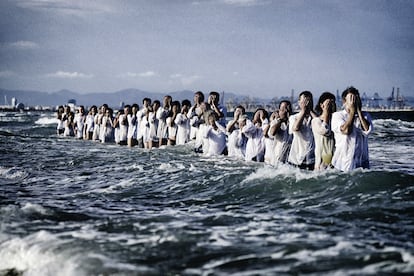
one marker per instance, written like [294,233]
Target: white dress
[302,151]
[236,144]
[90,123]
[96,130]
[132,126]
[183,129]
[123,128]
[79,122]
[324,143]
[351,151]
[162,130]
[216,139]
[153,121]
[171,130]
[194,121]
[255,145]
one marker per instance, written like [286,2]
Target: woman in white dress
[236,144]
[322,132]
[107,127]
[183,123]
[172,126]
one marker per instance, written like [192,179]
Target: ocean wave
[46,121]
[13,173]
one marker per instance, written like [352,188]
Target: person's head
[175,106]
[212,118]
[285,107]
[104,107]
[198,97]
[327,98]
[81,109]
[109,112]
[186,103]
[146,102]
[93,110]
[214,97]
[306,96]
[155,105]
[350,97]
[167,101]
[239,110]
[134,108]
[127,109]
[350,90]
[260,114]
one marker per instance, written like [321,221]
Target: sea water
[73,207]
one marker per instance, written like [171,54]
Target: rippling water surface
[70,207]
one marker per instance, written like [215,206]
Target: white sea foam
[34,208]
[285,171]
[13,173]
[36,254]
[47,121]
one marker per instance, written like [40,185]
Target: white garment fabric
[216,139]
[153,121]
[236,144]
[302,151]
[96,129]
[145,127]
[123,128]
[351,151]
[107,129]
[171,129]
[282,143]
[183,129]
[141,128]
[255,145]
[195,121]
[132,126]
[90,123]
[162,115]
[79,122]
[324,143]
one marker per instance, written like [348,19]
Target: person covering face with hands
[351,127]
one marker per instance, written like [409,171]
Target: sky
[262,48]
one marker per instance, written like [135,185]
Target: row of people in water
[317,137]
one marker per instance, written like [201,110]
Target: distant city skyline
[261,48]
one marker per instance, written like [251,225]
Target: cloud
[147,74]
[21,45]
[67,7]
[69,75]
[185,80]
[245,3]
[7,74]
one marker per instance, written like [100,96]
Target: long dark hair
[322,98]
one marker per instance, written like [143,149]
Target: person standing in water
[302,151]
[351,127]
[322,132]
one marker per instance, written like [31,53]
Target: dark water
[70,207]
